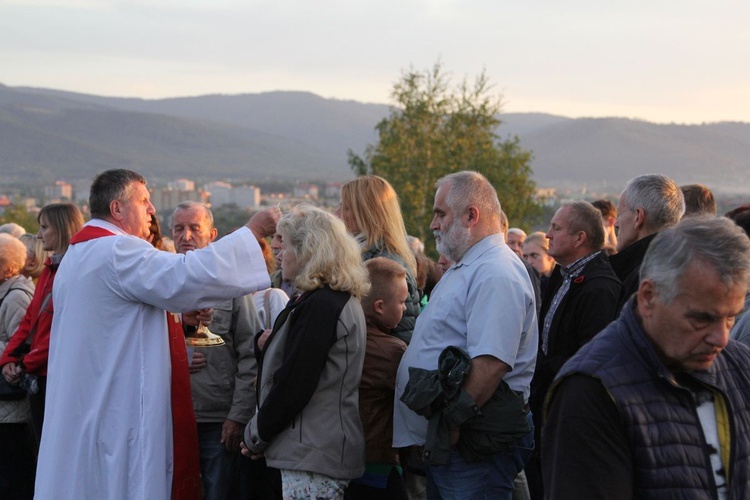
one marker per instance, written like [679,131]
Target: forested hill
[609,151]
[47,135]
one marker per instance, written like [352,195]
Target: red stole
[186,481]
[186,475]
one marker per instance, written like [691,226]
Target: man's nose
[718,336]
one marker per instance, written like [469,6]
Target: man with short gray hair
[118,419]
[579,301]
[582,293]
[658,404]
[649,204]
[516,237]
[221,377]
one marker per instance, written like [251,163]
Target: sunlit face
[692,330]
[46,234]
[290,267]
[515,242]
[537,258]
[191,229]
[346,214]
[562,244]
[135,211]
[625,225]
[452,238]
[394,304]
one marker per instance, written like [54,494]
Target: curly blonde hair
[377,215]
[12,255]
[330,254]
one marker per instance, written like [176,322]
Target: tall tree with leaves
[434,129]
[18,214]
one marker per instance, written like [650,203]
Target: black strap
[32,331]
[31,296]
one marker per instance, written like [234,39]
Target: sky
[681,61]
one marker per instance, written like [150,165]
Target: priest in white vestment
[108,420]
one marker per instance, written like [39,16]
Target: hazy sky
[686,61]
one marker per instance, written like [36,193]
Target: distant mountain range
[47,135]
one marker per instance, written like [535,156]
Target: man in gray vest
[658,404]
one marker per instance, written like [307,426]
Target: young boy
[383,307]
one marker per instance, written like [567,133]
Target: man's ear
[640,218]
[115,209]
[582,239]
[472,216]
[214,234]
[647,296]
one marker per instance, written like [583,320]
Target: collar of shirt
[573,270]
[361,240]
[481,246]
[106,225]
[568,273]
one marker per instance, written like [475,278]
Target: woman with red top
[28,349]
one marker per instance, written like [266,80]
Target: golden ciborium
[202,337]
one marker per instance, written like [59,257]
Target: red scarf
[186,477]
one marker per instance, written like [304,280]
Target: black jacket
[588,307]
[437,395]
[627,267]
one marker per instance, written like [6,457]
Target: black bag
[11,392]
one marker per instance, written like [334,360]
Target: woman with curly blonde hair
[371,212]
[311,363]
[16,456]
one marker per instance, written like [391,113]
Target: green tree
[434,129]
[229,217]
[18,214]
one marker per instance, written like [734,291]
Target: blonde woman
[371,212]
[309,370]
[36,255]
[535,250]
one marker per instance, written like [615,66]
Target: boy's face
[394,304]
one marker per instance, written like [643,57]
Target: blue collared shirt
[484,305]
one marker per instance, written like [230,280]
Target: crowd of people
[592,361]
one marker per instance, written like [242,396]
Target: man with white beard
[484,305]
